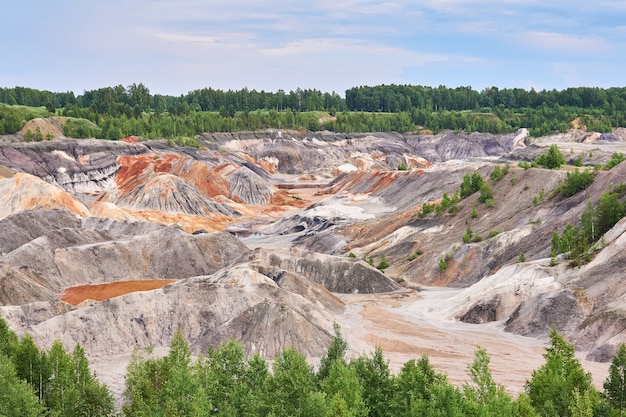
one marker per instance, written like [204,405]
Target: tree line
[224,382]
[122,111]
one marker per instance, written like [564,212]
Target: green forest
[224,382]
[117,112]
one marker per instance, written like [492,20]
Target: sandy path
[408,325]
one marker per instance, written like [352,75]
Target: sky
[176,46]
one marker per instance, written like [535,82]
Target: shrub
[494,233]
[470,184]
[485,193]
[551,159]
[576,181]
[383,264]
[81,128]
[467,237]
[578,161]
[403,167]
[414,255]
[521,258]
[497,174]
[443,265]
[615,160]
[427,209]
[351,255]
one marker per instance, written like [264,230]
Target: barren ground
[407,325]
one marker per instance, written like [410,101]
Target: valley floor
[410,324]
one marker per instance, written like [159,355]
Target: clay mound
[402,189]
[337,274]
[19,229]
[169,194]
[170,253]
[121,229]
[103,250]
[299,284]
[27,192]
[450,145]
[17,287]
[137,169]
[263,318]
[38,258]
[103,209]
[249,188]
[50,127]
[77,165]
[101,292]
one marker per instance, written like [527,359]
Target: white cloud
[564,43]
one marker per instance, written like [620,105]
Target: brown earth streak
[136,169]
[101,292]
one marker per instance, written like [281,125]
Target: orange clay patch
[101,292]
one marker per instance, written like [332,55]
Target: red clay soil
[135,170]
[101,292]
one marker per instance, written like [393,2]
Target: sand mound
[50,127]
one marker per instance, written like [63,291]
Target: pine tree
[553,386]
[615,383]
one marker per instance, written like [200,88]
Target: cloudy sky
[175,46]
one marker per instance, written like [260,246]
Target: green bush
[414,255]
[615,160]
[575,181]
[467,237]
[81,128]
[443,265]
[485,193]
[497,174]
[470,184]
[551,159]
[427,208]
[382,264]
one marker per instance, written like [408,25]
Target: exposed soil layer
[101,292]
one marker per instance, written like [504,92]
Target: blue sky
[175,46]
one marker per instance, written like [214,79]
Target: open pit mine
[270,238]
